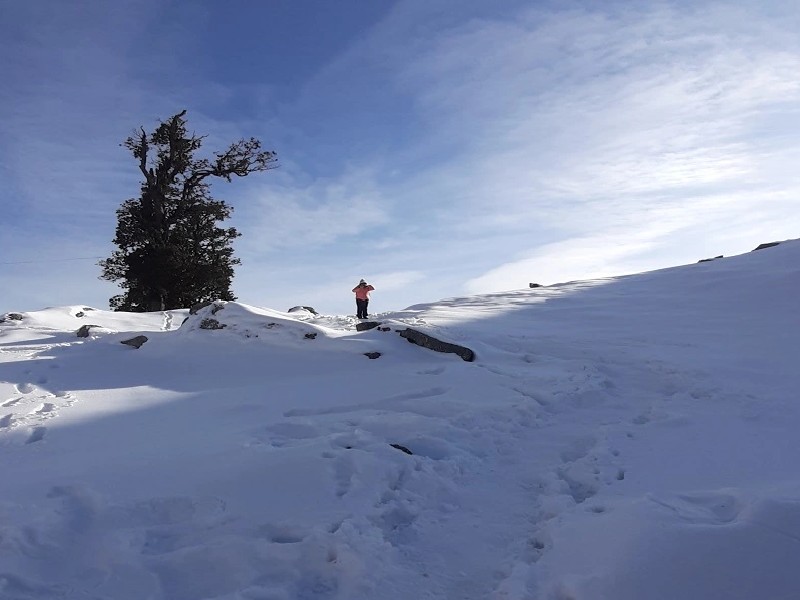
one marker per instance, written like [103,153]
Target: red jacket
[362,291]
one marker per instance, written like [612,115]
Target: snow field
[615,439]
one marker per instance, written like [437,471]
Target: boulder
[372,355]
[83,332]
[80,314]
[310,336]
[534,285]
[136,342]
[366,325]
[302,308]
[14,317]
[430,342]
[765,245]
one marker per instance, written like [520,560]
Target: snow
[622,438]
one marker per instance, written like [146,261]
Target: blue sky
[436,148]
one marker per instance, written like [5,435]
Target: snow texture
[624,439]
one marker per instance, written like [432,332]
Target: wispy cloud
[612,131]
[278,216]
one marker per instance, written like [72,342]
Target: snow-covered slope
[622,439]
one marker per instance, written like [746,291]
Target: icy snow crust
[621,439]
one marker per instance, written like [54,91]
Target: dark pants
[361,308]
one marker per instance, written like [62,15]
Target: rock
[302,308]
[765,245]
[199,306]
[384,328]
[709,259]
[402,448]
[372,355]
[366,325]
[14,317]
[534,285]
[310,336]
[211,324]
[80,314]
[430,342]
[83,332]
[136,342]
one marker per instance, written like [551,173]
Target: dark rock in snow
[136,342]
[384,328]
[211,324]
[402,448]
[302,308]
[366,325]
[709,259]
[80,314]
[83,332]
[534,285]
[372,355]
[199,306]
[430,342]
[310,336]
[765,245]
[14,317]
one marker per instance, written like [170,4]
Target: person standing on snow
[362,291]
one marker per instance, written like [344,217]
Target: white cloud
[291,216]
[615,132]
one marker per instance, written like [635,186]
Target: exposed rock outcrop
[302,309]
[709,259]
[83,332]
[401,448]
[372,355]
[209,323]
[201,305]
[430,342]
[136,342]
[765,245]
[366,325]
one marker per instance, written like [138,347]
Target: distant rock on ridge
[765,245]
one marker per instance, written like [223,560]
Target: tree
[172,253]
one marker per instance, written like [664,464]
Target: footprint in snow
[44,408]
[37,435]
